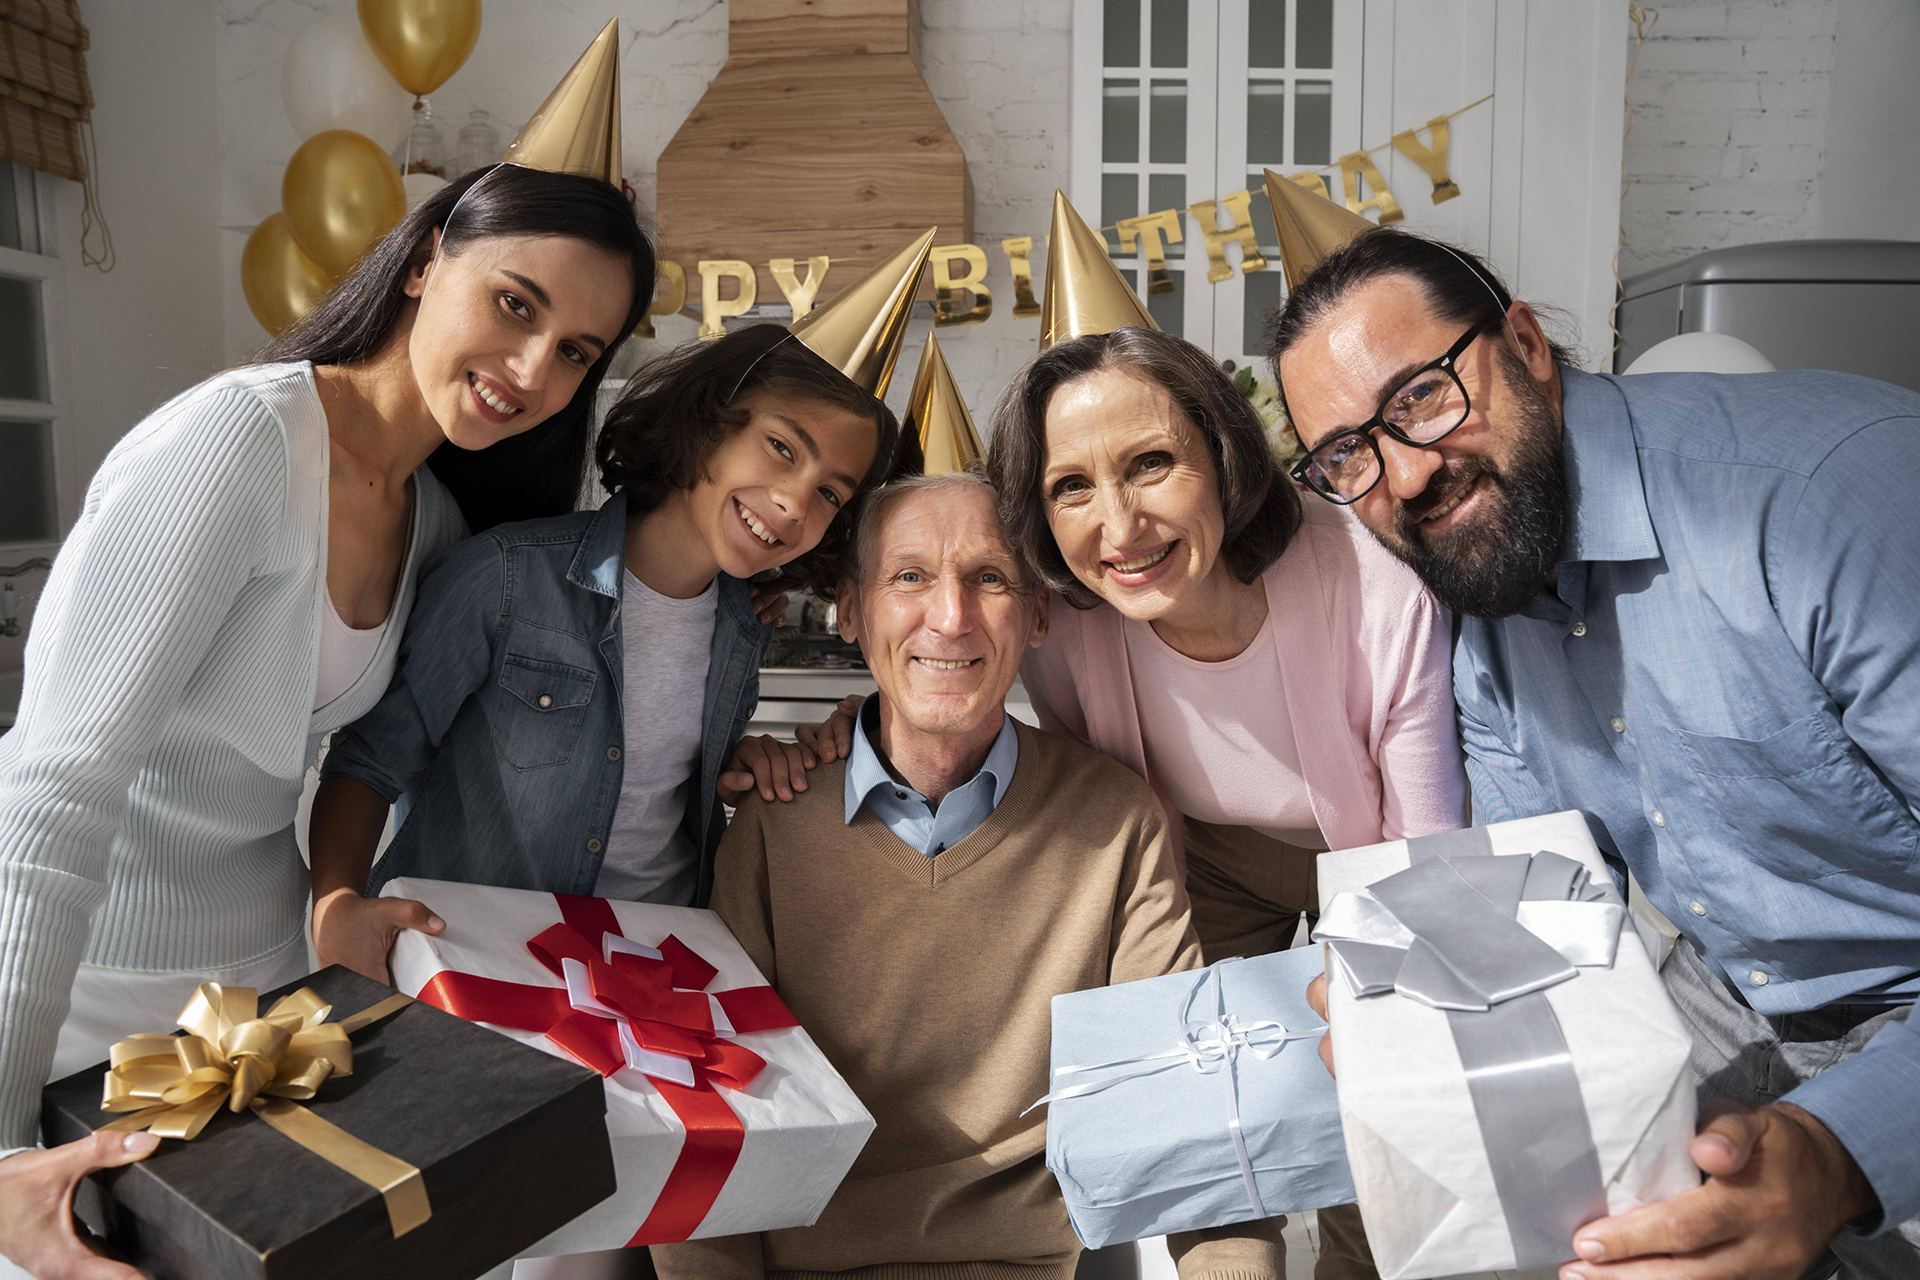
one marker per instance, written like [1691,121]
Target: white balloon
[330,79]
[419,186]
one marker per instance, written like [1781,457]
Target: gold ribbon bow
[173,1084]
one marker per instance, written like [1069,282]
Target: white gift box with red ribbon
[691,1040]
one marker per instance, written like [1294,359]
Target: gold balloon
[282,284]
[341,193]
[421,42]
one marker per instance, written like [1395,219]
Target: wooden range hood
[818,136]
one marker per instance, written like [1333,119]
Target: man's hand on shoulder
[1779,1187]
[767,765]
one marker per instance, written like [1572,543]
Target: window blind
[44,94]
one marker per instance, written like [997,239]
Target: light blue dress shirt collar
[909,815]
[1607,517]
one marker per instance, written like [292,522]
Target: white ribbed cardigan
[149,786]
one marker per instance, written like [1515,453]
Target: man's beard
[1494,564]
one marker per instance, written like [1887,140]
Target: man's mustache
[1455,475]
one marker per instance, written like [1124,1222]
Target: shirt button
[1619,725]
[1696,908]
[1659,819]
[1759,978]
[613,753]
[546,699]
[593,846]
[1579,628]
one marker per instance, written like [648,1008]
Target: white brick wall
[1728,106]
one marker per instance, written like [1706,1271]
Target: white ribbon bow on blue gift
[1209,1046]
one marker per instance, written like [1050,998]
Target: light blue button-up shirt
[917,821]
[1726,678]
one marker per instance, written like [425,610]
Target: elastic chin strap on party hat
[748,371]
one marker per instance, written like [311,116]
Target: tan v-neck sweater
[927,982]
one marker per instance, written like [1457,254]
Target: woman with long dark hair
[236,586]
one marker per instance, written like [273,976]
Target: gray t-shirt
[668,645]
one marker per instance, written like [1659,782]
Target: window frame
[1212,314]
[32,195]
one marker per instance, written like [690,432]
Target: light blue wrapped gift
[1194,1100]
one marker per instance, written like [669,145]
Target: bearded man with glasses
[1688,605]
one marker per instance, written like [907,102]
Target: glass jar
[425,150]
[479,144]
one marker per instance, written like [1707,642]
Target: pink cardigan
[1365,659]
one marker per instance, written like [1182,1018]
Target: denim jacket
[500,737]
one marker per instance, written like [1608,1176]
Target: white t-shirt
[668,645]
[1260,785]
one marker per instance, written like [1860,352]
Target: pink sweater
[1365,662]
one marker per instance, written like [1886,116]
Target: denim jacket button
[546,700]
[593,846]
[613,753]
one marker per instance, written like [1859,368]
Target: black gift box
[511,1143]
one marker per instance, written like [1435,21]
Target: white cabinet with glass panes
[1174,102]
[30,377]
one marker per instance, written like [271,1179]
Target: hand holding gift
[1511,1067]
[724,1116]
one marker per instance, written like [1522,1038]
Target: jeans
[1740,1055]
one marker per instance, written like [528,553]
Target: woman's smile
[1138,568]
[496,404]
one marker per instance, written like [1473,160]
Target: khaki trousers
[1249,893]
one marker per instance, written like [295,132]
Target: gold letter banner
[1433,160]
[800,294]
[1149,234]
[1018,250]
[714,309]
[946,284]
[172,1085]
[1356,165]
[1151,226]
[1240,205]
[674,276]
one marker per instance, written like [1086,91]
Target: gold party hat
[1085,293]
[948,441]
[861,331]
[577,129]
[1311,227]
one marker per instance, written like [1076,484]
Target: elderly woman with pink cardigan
[1281,680]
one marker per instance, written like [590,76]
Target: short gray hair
[873,512]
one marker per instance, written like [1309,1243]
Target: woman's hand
[769,605]
[37,1230]
[767,764]
[832,738]
[359,932]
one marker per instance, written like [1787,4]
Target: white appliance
[1851,305]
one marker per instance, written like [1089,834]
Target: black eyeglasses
[1423,410]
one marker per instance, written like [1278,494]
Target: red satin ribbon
[665,1004]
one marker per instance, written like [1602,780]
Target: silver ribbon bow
[1481,937]
[1209,1046]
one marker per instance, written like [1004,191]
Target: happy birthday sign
[1363,187]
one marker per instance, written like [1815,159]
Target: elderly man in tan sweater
[923,901]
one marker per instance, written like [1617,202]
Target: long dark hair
[1260,508]
[539,471]
[679,409]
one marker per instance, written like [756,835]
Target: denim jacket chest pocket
[539,710]
[1781,791]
